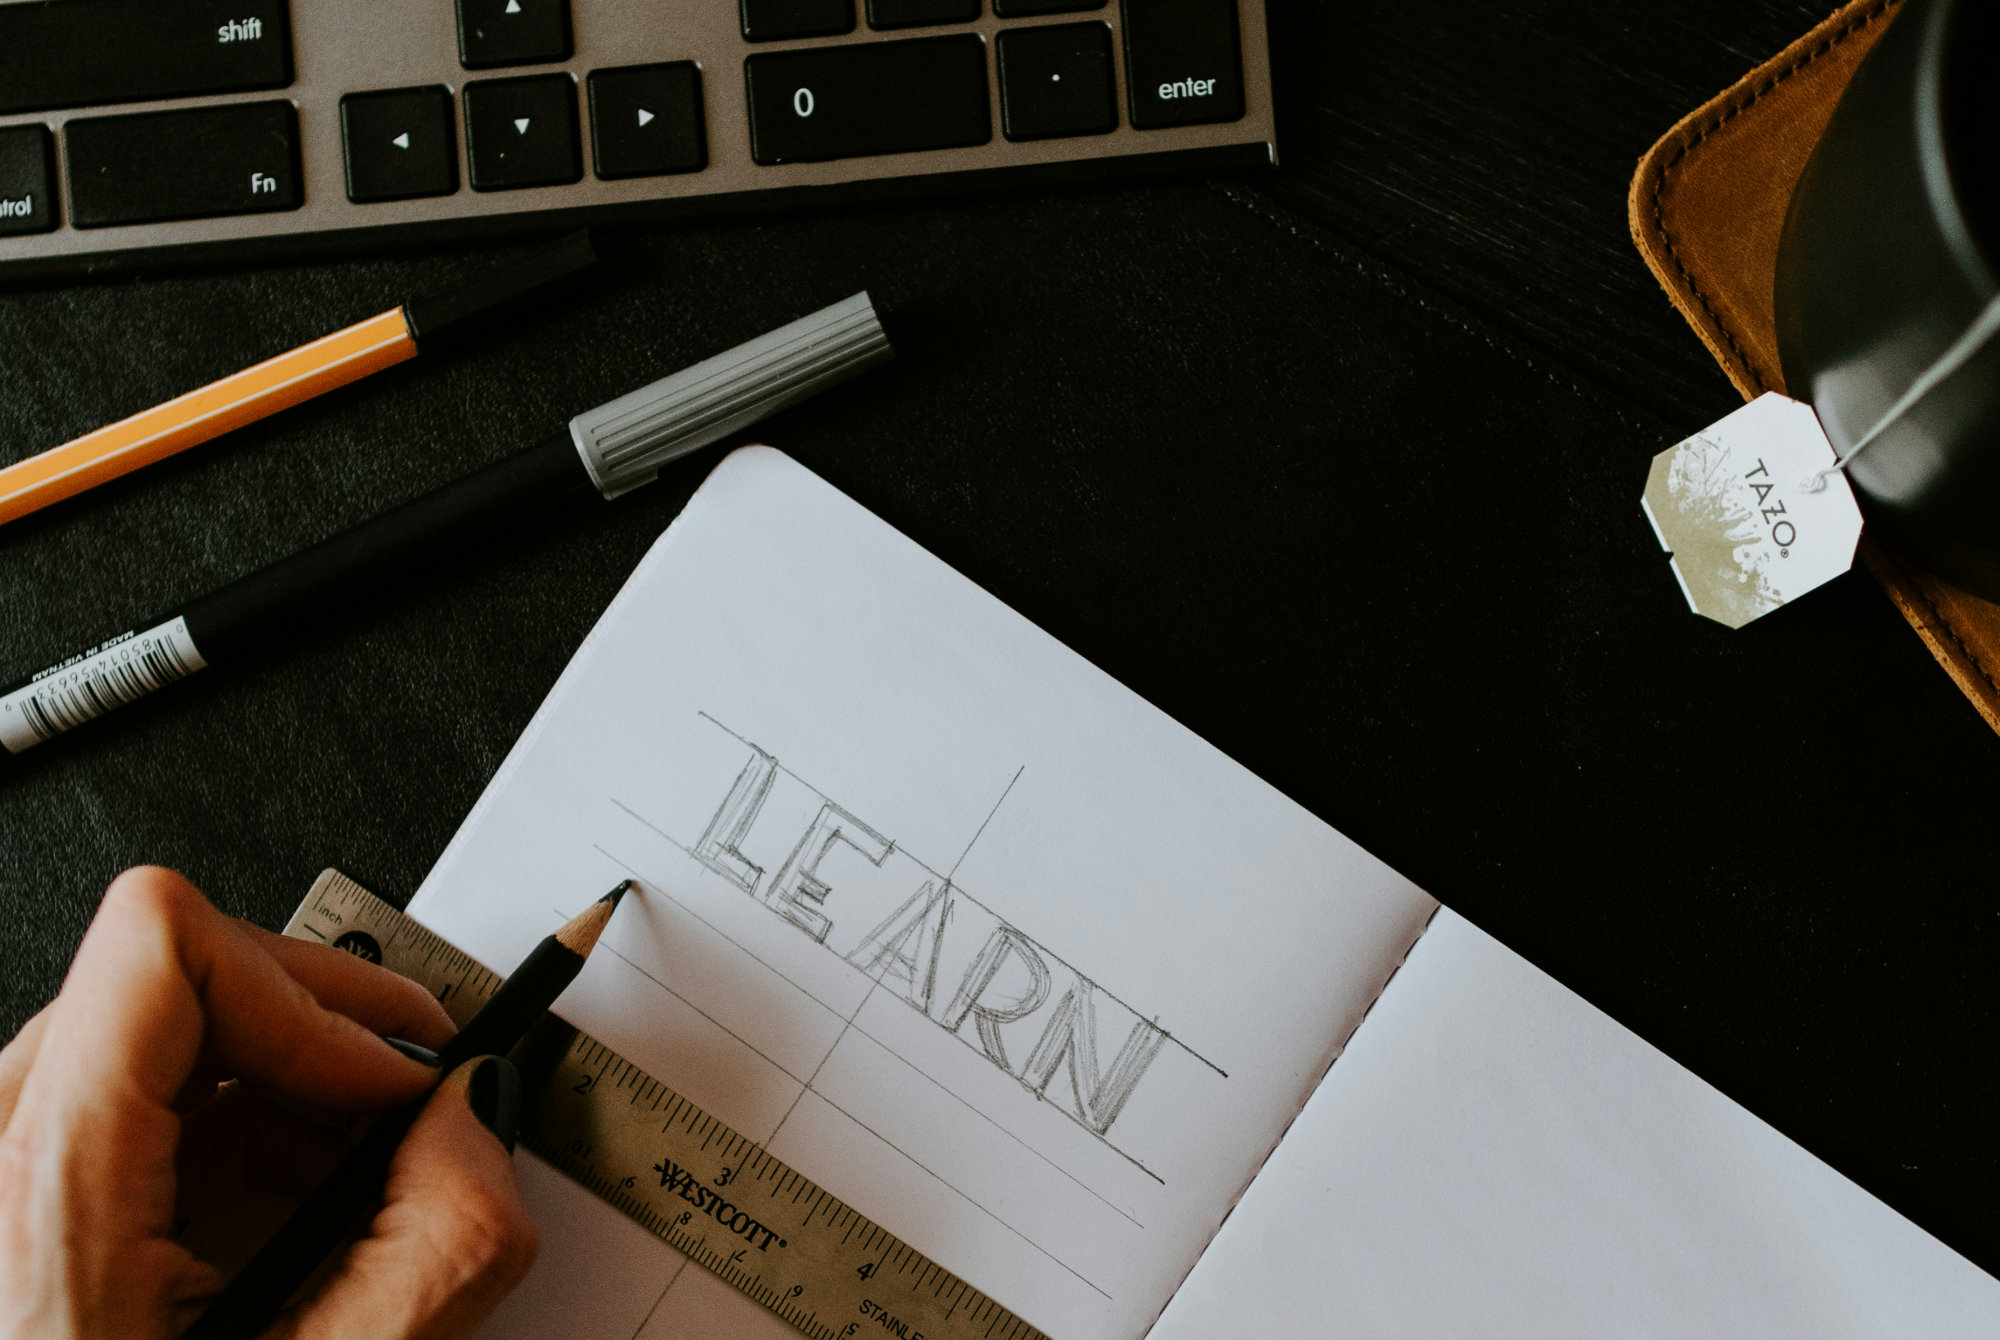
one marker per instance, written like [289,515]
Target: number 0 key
[868,98]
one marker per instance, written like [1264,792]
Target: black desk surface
[1339,466]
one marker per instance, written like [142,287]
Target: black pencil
[353,1188]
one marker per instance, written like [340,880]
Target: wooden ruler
[707,1192]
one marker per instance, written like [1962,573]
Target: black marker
[608,450]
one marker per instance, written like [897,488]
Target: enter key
[1183,62]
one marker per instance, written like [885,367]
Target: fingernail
[494,1094]
[421,1055]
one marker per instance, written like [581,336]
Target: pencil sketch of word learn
[913,931]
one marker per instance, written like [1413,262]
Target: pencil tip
[583,929]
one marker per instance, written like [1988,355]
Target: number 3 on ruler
[802,102]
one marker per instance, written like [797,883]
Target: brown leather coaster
[1707,209]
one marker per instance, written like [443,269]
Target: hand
[192,1057]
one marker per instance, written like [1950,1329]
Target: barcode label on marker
[124,669]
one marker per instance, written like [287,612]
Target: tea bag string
[1948,362]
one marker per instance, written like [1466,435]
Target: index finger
[15,1060]
[162,976]
[379,1000]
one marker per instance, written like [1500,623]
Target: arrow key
[398,144]
[645,120]
[512,32]
[522,132]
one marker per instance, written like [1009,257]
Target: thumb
[452,1237]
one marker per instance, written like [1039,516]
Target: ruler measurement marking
[599,1143]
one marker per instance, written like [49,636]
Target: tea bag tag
[1734,508]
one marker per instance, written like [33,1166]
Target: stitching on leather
[1737,106]
[1936,618]
[1938,624]
[1264,210]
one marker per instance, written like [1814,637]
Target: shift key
[84,53]
[197,163]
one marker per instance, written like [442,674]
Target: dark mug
[1887,261]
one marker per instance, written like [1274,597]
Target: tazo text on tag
[1732,507]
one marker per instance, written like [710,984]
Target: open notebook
[1023,970]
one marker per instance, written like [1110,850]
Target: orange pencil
[277,383]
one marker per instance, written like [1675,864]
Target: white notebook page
[1494,1159]
[949,920]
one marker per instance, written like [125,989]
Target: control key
[26,180]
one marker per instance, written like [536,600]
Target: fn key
[206,161]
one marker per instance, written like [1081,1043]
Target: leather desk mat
[1707,210]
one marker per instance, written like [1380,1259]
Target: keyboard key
[1056,80]
[768,20]
[27,180]
[198,163]
[868,98]
[398,144]
[79,53]
[1016,9]
[645,120]
[1183,64]
[522,132]
[512,32]
[921,13]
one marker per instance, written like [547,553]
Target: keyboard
[144,131]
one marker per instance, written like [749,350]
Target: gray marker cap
[625,441]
